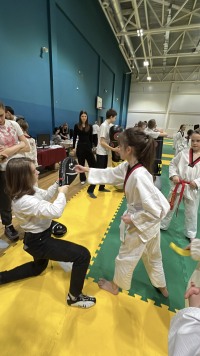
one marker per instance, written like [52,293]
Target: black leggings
[43,248]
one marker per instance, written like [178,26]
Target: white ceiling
[170,41]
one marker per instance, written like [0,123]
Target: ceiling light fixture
[140,32]
[146,63]
[149,78]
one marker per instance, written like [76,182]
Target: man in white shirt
[103,147]
[95,131]
[152,131]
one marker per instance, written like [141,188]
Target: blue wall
[83,61]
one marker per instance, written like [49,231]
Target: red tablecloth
[50,156]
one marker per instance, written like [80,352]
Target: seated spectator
[64,131]
[10,114]
[19,117]
[141,126]
[33,149]
[152,130]
[56,137]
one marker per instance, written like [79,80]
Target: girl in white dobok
[179,140]
[184,173]
[146,206]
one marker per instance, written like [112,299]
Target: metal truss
[163,34]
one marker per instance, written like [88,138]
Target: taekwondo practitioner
[146,206]
[184,173]
[179,140]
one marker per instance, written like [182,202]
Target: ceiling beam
[183,37]
[160,30]
[174,6]
[172,55]
[179,10]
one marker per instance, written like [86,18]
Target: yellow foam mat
[35,319]
[165,162]
[166,155]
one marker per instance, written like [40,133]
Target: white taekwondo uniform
[184,333]
[147,206]
[187,170]
[179,142]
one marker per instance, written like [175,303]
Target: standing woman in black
[84,147]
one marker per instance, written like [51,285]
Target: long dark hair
[180,130]
[80,124]
[19,177]
[144,146]
[189,133]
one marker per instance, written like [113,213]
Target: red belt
[174,194]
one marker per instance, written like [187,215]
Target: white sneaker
[83,182]
[82,301]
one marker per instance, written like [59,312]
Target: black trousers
[95,139]
[5,202]
[44,247]
[84,153]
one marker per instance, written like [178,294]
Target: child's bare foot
[109,286]
[164,291]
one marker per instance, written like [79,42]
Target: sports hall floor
[35,319]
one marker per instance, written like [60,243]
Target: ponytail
[148,154]
[144,146]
